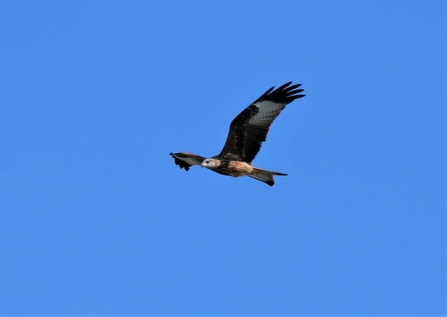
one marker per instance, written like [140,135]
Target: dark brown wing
[186,160]
[249,129]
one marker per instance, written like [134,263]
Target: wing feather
[250,128]
[186,160]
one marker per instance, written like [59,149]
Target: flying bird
[247,132]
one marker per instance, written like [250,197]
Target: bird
[247,132]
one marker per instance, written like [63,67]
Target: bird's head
[211,163]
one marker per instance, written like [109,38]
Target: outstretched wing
[186,160]
[249,129]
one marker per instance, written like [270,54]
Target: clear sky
[95,218]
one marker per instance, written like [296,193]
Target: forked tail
[264,176]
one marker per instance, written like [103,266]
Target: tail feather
[264,176]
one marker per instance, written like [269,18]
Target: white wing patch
[189,160]
[268,111]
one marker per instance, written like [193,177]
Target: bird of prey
[247,132]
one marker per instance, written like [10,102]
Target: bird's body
[228,167]
[247,132]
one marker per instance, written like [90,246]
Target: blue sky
[96,218]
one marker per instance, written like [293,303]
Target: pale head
[210,163]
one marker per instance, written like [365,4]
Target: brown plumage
[247,132]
